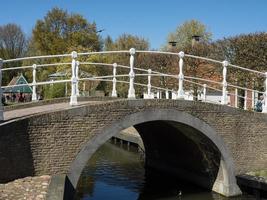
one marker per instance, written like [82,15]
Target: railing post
[114,81]
[174,95]
[34,95]
[204,92]
[236,98]
[264,109]
[224,83]
[73,97]
[131,91]
[149,84]
[1,93]
[167,94]
[246,100]
[158,95]
[253,99]
[180,92]
[77,78]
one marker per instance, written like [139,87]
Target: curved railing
[183,92]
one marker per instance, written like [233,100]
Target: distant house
[18,93]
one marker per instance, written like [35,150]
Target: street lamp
[195,39]
[172,43]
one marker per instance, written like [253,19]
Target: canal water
[116,172]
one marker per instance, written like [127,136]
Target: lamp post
[195,40]
[172,43]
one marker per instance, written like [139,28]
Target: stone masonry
[49,143]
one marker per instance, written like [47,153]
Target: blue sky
[152,19]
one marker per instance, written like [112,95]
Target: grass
[261,173]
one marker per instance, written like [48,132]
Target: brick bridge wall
[49,143]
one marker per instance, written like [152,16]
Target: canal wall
[130,136]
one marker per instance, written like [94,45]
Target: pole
[1,93]
[73,97]
[131,91]
[149,84]
[264,109]
[204,92]
[167,94]
[236,97]
[114,91]
[224,83]
[34,95]
[246,100]
[77,78]
[180,91]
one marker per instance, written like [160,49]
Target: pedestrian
[259,104]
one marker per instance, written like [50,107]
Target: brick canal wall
[49,143]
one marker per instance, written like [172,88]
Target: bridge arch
[225,182]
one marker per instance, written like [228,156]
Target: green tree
[184,33]
[108,43]
[248,51]
[60,31]
[193,38]
[123,42]
[13,44]
[127,41]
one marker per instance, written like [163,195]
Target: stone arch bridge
[208,144]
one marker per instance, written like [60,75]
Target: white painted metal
[149,96]
[236,97]
[114,80]
[167,94]
[174,95]
[245,100]
[252,100]
[1,93]
[224,83]
[34,94]
[264,109]
[131,91]
[180,92]
[73,97]
[158,94]
[204,92]
[77,78]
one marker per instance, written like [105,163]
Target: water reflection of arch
[113,166]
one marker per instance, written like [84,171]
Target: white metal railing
[180,78]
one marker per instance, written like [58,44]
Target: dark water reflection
[117,173]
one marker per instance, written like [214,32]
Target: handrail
[35,57]
[115,78]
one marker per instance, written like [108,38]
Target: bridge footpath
[29,111]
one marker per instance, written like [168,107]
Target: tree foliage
[13,44]
[13,41]
[60,31]
[123,42]
[184,33]
[247,50]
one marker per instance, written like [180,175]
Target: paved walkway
[9,115]
[29,188]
